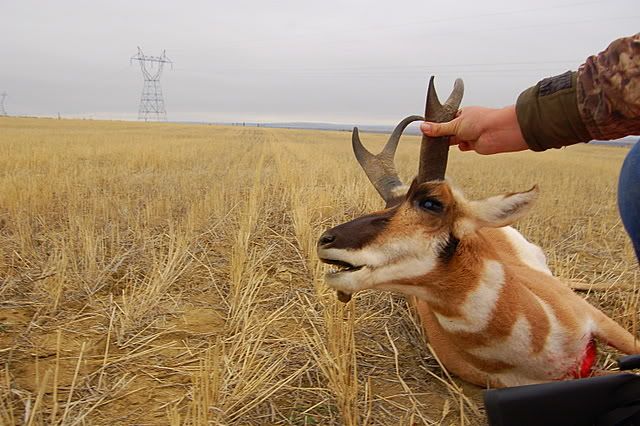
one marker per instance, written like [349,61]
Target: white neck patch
[476,311]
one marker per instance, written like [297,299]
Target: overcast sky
[350,62]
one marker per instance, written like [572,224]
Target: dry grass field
[166,274]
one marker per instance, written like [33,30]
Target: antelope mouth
[340,266]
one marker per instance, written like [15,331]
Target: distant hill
[626,141]
[411,130]
[370,128]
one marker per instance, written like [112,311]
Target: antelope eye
[431,204]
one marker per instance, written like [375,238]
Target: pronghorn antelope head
[488,303]
[389,249]
[421,225]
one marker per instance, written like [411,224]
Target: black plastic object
[597,401]
[606,400]
[629,362]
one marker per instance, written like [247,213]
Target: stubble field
[166,274]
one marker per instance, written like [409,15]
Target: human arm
[480,129]
[599,101]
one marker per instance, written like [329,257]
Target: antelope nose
[326,239]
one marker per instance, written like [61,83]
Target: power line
[496,13]
[369,70]
[151,101]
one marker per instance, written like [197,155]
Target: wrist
[519,143]
[508,135]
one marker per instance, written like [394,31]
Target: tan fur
[492,318]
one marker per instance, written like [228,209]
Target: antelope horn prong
[455,98]
[435,151]
[380,168]
[433,103]
[362,154]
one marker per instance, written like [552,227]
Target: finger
[465,146]
[440,129]
[453,140]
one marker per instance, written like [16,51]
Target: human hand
[483,130]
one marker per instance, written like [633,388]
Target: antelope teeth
[336,269]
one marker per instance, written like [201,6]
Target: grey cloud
[292,60]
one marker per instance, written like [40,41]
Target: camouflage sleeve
[600,101]
[609,90]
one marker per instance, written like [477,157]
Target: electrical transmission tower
[151,101]
[3,95]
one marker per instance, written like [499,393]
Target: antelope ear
[501,210]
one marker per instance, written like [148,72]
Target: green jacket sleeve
[548,114]
[599,101]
